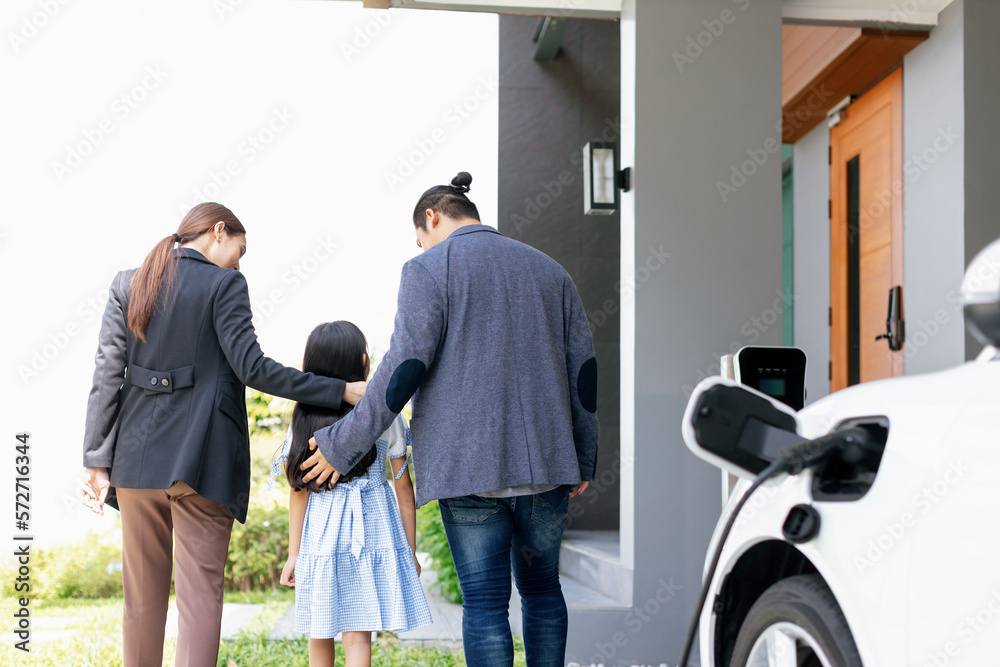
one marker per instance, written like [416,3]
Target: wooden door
[866,233]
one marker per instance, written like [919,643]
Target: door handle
[895,325]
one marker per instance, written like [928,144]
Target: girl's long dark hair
[334,349]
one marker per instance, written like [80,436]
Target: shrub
[431,538]
[90,568]
[258,548]
[265,413]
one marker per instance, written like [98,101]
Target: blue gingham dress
[355,570]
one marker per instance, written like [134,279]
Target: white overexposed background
[318,123]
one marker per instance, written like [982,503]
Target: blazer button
[152,380]
[165,382]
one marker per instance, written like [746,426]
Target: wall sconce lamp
[602,179]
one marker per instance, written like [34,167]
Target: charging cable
[793,460]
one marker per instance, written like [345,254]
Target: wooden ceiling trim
[824,67]
[823,49]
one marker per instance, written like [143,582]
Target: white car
[884,552]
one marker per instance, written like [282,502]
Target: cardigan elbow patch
[586,385]
[404,383]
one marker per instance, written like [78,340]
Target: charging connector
[792,460]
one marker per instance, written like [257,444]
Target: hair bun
[462,181]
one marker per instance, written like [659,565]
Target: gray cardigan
[492,342]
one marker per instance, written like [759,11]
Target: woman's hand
[353,392]
[416,562]
[288,573]
[95,489]
[578,490]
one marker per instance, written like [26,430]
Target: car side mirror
[981,295]
[737,428]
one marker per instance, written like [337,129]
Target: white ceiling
[900,13]
[608,9]
[849,12]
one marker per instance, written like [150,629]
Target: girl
[351,553]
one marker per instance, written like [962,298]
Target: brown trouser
[151,518]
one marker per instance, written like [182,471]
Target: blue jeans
[488,538]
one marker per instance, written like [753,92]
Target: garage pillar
[701,267]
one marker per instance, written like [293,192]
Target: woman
[166,436]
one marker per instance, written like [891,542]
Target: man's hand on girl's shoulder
[319,468]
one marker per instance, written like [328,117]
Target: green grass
[96,642]
[98,626]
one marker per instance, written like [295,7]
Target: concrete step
[591,559]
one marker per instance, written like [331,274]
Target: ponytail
[158,270]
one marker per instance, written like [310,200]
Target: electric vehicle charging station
[779,372]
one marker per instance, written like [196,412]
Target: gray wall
[933,182]
[982,147]
[811,186]
[687,127]
[547,112]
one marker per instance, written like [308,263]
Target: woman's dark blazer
[172,409]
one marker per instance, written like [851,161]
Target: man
[492,342]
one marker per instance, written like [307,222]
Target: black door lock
[895,325]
